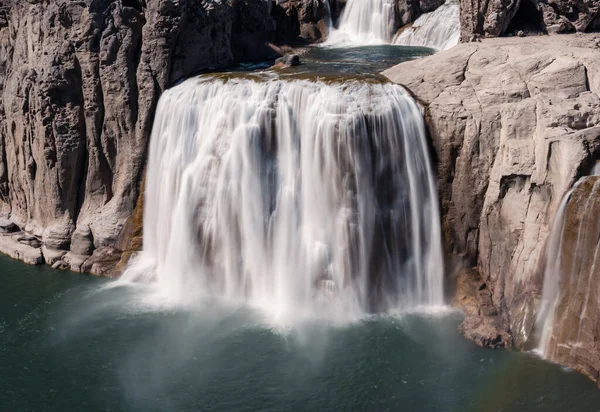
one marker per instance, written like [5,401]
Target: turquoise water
[72,343]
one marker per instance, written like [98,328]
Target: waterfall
[299,197]
[365,22]
[371,22]
[566,261]
[439,29]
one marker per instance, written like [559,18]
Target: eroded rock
[514,122]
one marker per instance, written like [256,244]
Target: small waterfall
[572,255]
[365,22]
[302,198]
[439,29]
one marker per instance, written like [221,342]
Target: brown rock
[487,332]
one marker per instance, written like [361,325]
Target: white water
[551,289]
[301,198]
[552,274]
[439,29]
[364,22]
[372,22]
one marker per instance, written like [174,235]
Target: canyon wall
[79,83]
[514,123]
[492,18]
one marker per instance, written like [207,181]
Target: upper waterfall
[368,22]
[439,29]
[365,22]
[302,198]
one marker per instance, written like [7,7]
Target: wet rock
[468,282]
[576,331]
[60,265]
[103,262]
[487,332]
[286,61]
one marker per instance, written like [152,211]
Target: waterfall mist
[302,198]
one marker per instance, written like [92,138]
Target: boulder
[576,331]
[487,332]
[286,61]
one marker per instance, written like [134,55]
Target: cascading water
[439,29]
[369,22]
[365,22]
[562,270]
[302,198]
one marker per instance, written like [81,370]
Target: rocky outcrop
[79,83]
[514,123]
[491,18]
[407,11]
[575,337]
[301,22]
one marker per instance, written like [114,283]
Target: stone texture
[301,22]
[407,11]
[486,331]
[491,18]
[514,122]
[79,83]
[575,339]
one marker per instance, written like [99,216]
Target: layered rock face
[514,123]
[302,22]
[491,18]
[79,82]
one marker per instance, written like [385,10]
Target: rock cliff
[491,18]
[79,83]
[574,340]
[514,123]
